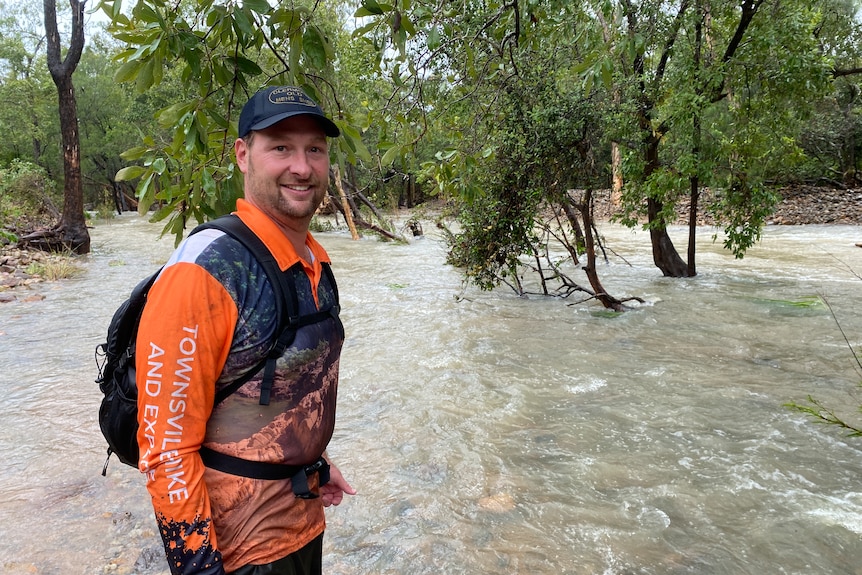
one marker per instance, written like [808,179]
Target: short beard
[275,201]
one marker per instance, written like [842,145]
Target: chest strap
[298,474]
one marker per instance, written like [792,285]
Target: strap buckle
[299,482]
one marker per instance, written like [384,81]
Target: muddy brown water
[492,434]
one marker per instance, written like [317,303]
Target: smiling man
[239,485]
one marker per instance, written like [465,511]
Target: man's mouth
[296,188]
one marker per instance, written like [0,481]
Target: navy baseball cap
[276,103]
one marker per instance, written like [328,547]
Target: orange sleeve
[183,341]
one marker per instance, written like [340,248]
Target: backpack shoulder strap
[327,270]
[286,301]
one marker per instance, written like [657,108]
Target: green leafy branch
[816,409]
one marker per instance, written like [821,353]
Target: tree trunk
[694,179]
[848,157]
[694,197]
[572,218]
[72,228]
[664,253]
[616,175]
[348,214]
[73,225]
[605,298]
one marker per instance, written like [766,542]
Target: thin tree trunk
[694,180]
[848,159]
[348,213]
[616,175]
[605,298]
[72,230]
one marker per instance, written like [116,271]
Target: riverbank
[22,268]
[800,205]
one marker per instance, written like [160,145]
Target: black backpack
[115,359]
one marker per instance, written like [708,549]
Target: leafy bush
[7,237]
[28,197]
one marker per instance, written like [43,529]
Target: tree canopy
[523,104]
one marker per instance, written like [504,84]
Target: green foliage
[726,114]
[820,413]
[545,140]
[27,196]
[685,97]
[28,108]
[832,145]
[744,208]
[7,237]
[225,53]
[497,231]
[109,117]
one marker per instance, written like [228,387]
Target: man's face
[286,169]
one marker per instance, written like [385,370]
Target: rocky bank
[809,205]
[799,205]
[22,268]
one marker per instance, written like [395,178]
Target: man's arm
[182,344]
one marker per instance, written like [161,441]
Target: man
[210,318]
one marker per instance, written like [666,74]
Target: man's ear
[240,148]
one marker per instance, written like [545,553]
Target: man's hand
[333,492]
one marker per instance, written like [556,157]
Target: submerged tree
[534,210]
[698,93]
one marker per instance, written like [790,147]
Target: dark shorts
[306,561]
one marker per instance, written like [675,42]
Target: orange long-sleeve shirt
[210,318]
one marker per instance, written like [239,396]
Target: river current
[491,434]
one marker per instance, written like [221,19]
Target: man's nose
[300,166]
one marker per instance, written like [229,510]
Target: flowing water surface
[488,433]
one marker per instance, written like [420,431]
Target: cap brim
[329,127]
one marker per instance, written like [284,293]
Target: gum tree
[71,231]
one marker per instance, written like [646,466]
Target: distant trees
[696,93]
[24,78]
[110,117]
[516,103]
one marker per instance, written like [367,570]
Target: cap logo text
[290,95]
